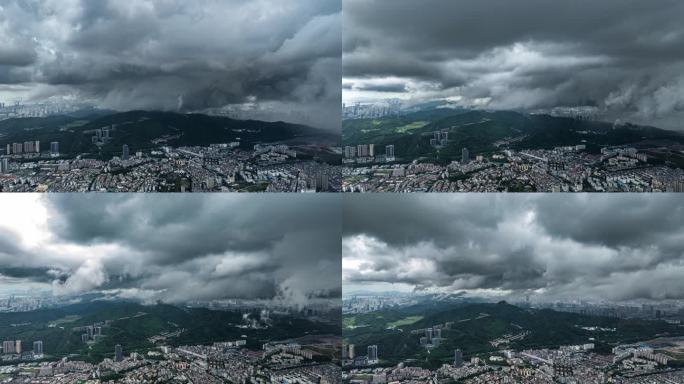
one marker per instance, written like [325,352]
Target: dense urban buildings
[215,168]
[562,169]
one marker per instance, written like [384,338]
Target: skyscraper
[31,146]
[54,147]
[352,351]
[8,347]
[437,333]
[17,347]
[349,152]
[4,165]
[371,150]
[124,154]
[118,353]
[458,358]
[362,150]
[389,152]
[372,354]
[465,156]
[38,347]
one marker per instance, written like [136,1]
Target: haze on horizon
[615,248]
[173,249]
[622,59]
[265,59]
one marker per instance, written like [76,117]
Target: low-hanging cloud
[623,56]
[180,249]
[259,59]
[603,247]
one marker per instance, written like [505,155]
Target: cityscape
[503,97]
[138,297]
[644,361]
[522,288]
[220,167]
[561,169]
[87,106]
[341,192]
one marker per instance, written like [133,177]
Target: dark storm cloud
[624,56]
[603,247]
[261,58]
[392,87]
[185,248]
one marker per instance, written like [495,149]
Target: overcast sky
[623,56]
[569,246]
[275,59]
[172,248]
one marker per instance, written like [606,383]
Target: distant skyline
[264,59]
[602,248]
[174,249]
[620,59]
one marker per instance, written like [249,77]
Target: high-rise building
[124,154]
[8,347]
[389,152]
[352,351]
[17,148]
[465,156]
[372,354]
[349,152]
[371,150]
[362,150]
[31,146]
[345,351]
[118,353]
[54,148]
[4,165]
[17,347]
[38,347]
[458,358]
[9,149]
[428,334]
[322,182]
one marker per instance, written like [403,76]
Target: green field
[348,321]
[409,127]
[65,320]
[405,321]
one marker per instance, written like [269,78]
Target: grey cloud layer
[275,59]
[603,247]
[179,249]
[623,56]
